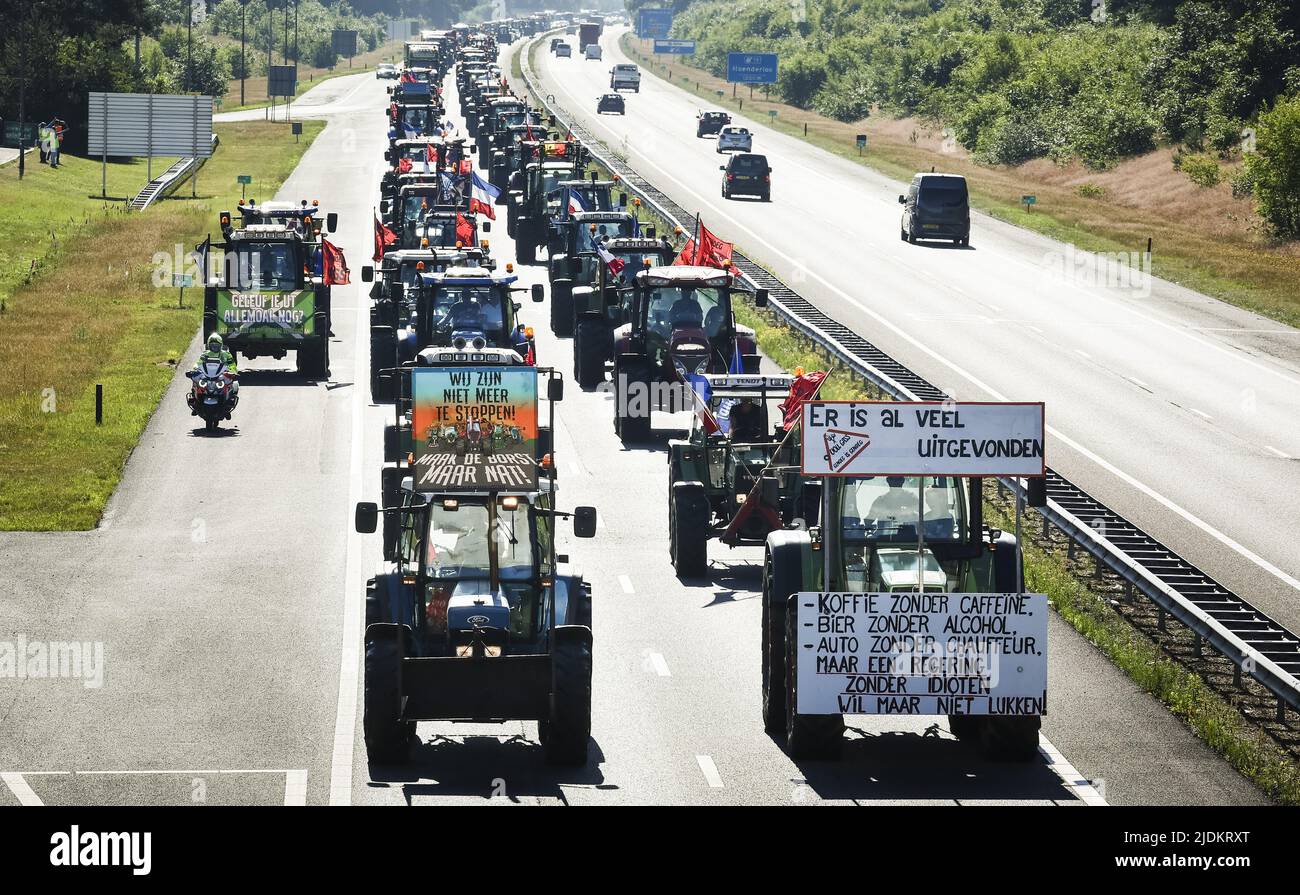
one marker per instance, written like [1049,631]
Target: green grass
[92,314]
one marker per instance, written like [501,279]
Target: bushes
[1274,167]
[1202,170]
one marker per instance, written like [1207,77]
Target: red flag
[403,166]
[335,266]
[528,134]
[712,251]
[466,165]
[383,237]
[464,230]
[801,390]
[687,255]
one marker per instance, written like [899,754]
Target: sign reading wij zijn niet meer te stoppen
[923,438]
[474,428]
[910,653]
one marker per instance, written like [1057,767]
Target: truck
[625,76]
[266,303]
[589,33]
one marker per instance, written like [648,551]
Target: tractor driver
[686,313]
[895,508]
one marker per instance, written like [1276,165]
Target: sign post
[752,68]
[654,23]
[674,47]
[862,144]
[244,181]
[1029,201]
[953,653]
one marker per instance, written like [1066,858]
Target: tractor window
[459,539]
[468,308]
[604,230]
[266,267]
[414,207]
[885,508]
[687,307]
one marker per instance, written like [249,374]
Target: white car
[592,51]
[734,137]
[385,70]
[625,76]
[563,50]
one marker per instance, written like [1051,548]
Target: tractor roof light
[546,462]
[424,242]
[510,268]
[419,265]
[510,503]
[528,332]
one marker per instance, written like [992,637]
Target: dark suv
[747,174]
[710,122]
[936,206]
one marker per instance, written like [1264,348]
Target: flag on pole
[803,389]
[613,262]
[336,266]
[482,195]
[575,202]
[383,237]
[464,230]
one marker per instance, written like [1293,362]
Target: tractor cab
[465,306]
[678,326]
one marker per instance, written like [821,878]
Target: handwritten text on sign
[915,438]
[922,654]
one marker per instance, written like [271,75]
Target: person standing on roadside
[58,126]
[41,141]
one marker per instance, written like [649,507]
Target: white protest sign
[914,653]
[857,438]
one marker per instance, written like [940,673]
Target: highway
[1176,410]
[225,584]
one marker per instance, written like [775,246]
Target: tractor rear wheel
[688,523]
[562,308]
[566,735]
[632,404]
[589,338]
[806,736]
[387,735]
[1009,737]
[780,580]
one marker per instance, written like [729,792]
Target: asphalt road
[225,588]
[1175,409]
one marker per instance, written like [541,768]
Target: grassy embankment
[78,306]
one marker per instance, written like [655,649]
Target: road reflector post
[99,404]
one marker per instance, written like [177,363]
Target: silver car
[734,138]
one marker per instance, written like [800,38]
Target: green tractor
[735,477]
[865,541]
[266,303]
[594,303]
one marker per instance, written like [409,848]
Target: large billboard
[150,124]
[654,23]
[862,438]
[474,428]
[751,68]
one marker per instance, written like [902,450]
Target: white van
[593,52]
[625,76]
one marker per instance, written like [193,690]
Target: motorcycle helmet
[215,342]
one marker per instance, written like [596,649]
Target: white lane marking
[660,664]
[937,356]
[345,718]
[710,771]
[22,792]
[1082,353]
[626,583]
[1201,413]
[295,788]
[1139,383]
[1276,453]
[1081,786]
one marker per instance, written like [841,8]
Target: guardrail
[165,183]
[1256,644]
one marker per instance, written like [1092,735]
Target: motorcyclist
[216,352]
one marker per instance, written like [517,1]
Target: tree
[1274,167]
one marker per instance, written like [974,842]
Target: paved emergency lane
[1174,409]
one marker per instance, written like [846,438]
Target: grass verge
[92,314]
[308,77]
[1200,241]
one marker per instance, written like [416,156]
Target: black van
[936,206]
[747,174]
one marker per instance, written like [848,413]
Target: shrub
[1274,167]
[1091,191]
[1202,170]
